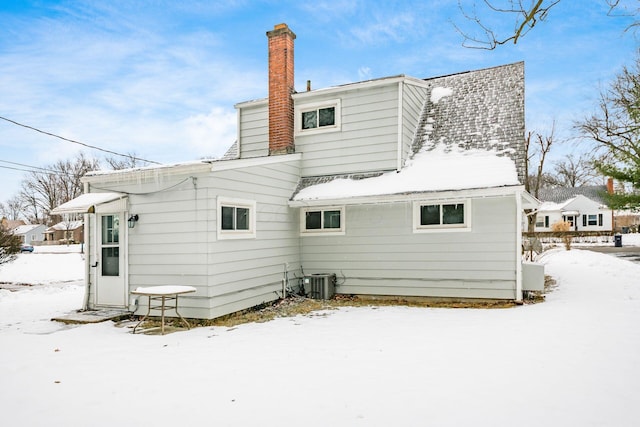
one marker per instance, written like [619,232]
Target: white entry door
[110,273]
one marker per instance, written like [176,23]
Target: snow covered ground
[573,360]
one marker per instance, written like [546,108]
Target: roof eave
[408,197]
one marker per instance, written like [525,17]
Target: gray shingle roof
[308,181]
[485,111]
[562,194]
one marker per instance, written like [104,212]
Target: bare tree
[546,180]
[125,163]
[574,171]
[537,146]
[525,18]
[12,209]
[44,190]
[615,128]
[524,15]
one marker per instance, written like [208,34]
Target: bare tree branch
[526,17]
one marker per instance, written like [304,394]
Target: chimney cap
[280,29]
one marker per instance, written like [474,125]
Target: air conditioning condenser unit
[320,286]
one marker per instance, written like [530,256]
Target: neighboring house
[30,233]
[65,232]
[10,224]
[584,208]
[399,186]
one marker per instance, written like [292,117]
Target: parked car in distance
[26,248]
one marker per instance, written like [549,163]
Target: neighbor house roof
[562,194]
[24,229]
[65,225]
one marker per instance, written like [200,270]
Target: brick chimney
[610,185]
[280,90]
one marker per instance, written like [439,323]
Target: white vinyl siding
[413,100]
[176,242]
[253,130]
[381,255]
[368,135]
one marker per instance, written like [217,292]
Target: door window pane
[110,261]
[110,229]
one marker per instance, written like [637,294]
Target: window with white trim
[592,219]
[320,117]
[329,220]
[441,216]
[236,218]
[542,221]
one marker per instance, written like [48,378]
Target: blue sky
[160,78]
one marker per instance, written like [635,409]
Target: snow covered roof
[440,169]
[86,202]
[23,229]
[65,225]
[565,194]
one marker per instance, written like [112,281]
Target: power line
[76,142]
[44,170]
[35,169]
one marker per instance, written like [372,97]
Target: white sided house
[583,208]
[30,233]
[398,186]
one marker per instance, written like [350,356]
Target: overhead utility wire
[34,169]
[76,142]
[31,167]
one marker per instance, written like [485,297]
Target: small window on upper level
[311,118]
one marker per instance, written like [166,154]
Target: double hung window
[593,219]
[542,221]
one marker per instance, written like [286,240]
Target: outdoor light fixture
[132,220]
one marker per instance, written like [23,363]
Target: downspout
[518,247]
[87,255]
